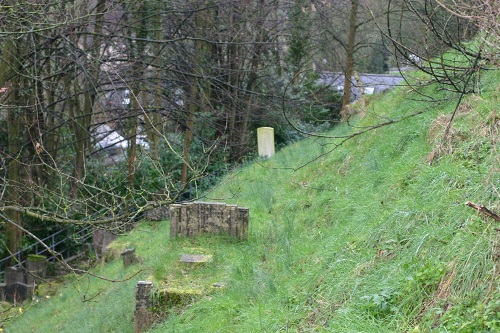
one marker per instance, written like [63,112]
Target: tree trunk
[9,80]
[153,120]
[83,107]
[349,70]
[132,136]
[80,123]
[137,47]
[188,132]
[200,94]
[14,234]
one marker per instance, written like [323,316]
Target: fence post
[68,251]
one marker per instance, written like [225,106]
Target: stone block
[101,239]
[14,275]
[36,268]
[157,214]
[265,141]
[177,297]
[3,286]
[194,218]
[196,258]
[19,292]
[129,257]
[143,316]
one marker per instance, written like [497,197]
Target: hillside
[369,234]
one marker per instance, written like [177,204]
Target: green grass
[371,237]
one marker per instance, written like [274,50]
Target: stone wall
[195,218]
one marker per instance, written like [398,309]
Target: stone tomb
[195,218]
[19,283]
[189,219]
[15,289]
[146,310]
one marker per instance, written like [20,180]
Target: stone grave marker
[143,316]
[196,218]
[129,257]
[196,258]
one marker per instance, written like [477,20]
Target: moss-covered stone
[36,258]
[47,289]
[196,258]
[4,306]
[174,297]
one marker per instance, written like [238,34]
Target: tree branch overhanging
[484,210]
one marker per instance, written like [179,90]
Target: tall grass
[371,237]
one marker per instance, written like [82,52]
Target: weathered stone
[129,257]
[3,286]
[243,217]
[219,285]
[143,316]
[157,214]
[196,258]
[101,239]
[160,213]
[36,258]
[265,141]
[191,219]
[14,275]
[175,217]
[19,292]
[36,268]
[176,297]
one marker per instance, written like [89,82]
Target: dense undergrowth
[373,236]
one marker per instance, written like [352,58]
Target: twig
[484,210]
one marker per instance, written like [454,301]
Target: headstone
[129,257]
[161,212]
[36,268]
[14,275]
[265,141]
[143,316]
[101,239]
[19,292]
[195,218]
[157,214]
[196,258]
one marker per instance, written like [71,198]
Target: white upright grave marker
[265,140]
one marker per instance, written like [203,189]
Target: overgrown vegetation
[372,237]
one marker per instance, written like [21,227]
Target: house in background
[111,145]
[364,83]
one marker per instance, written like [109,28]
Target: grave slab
[196,258]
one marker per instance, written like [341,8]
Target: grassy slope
[369,238]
